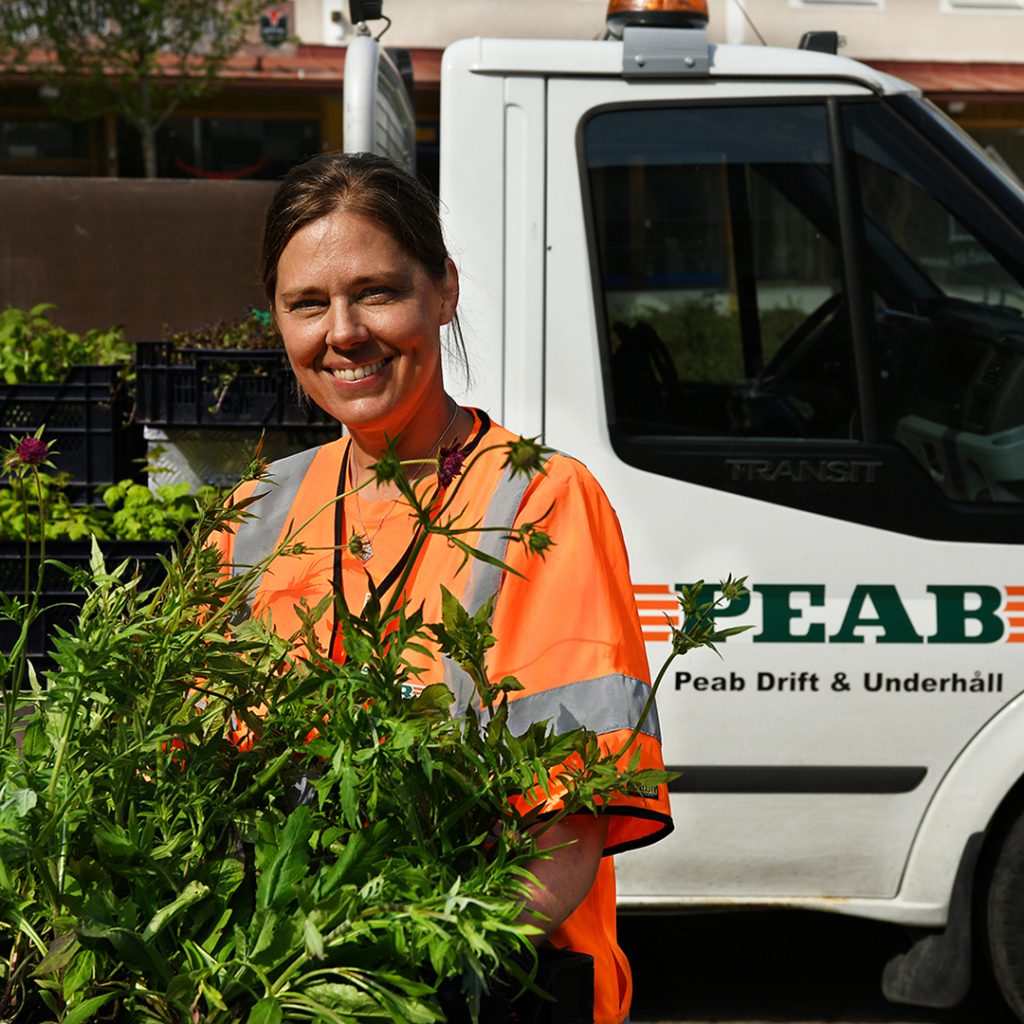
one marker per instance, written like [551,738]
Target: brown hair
[360,183]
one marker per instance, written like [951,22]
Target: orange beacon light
[657,13]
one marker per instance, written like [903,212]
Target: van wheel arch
[1001,900]
[941,967]
[994,890]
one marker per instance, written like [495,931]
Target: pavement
[778,967]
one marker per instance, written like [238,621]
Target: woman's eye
[379,291]
[308,304]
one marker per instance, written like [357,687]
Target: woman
[361,284]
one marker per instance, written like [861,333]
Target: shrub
[255,330]
[35,350]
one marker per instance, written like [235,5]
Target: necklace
[366,550]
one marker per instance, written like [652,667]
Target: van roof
[557,57]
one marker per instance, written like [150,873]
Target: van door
[796,352]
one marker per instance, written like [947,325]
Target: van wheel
[1005,918]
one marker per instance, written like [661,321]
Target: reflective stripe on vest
[485,578]
[256,535]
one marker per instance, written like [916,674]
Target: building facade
[280,100]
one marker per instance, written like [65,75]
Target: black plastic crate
[180,387]
[60,600]
[86,420]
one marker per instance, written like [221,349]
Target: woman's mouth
[352,374]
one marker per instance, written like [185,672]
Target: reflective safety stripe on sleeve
[605,704]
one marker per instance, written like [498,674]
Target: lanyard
[335,646]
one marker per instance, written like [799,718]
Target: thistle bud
[356,545]
[526,455]
[388,468]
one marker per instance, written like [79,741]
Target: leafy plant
[131,511]
[203,821]
[253,331]
[22,517]
[139,512]
[34,349]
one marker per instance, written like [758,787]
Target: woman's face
[361,320]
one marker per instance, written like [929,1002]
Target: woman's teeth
[359,372]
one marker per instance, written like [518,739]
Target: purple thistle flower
[31,451]
[449,464]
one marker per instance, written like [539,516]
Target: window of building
[43,139]
[45,146]
[235,147]
[228,147]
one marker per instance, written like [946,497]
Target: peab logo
[804,613]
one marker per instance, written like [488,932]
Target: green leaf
[225,875]
[23,800]
[266,1011]
[85,1010]
[59,954]
[113,842]
[286,864]
[347,998]
[436,697]
[192,893]
[97,565]
[35,742]
[79,974]
[349,795]
[313,939]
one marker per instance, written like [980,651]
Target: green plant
[131,511]
[255,330]
[34,349]
[354,851]
[22,514]
[141,513]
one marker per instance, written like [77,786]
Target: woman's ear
[449,292]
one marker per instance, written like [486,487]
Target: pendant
[367,551]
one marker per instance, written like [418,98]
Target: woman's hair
[360,183]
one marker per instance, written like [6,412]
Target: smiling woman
[361,321]
[360,281]
[362,287]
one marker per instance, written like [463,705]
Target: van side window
[811,304]
[720,273]
[947,303]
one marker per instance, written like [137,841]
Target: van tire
[1005,918]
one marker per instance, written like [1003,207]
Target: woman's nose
[346,326]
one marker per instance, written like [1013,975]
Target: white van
[773,299]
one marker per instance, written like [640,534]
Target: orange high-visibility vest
[567,628]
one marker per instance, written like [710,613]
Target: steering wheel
[795,349]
